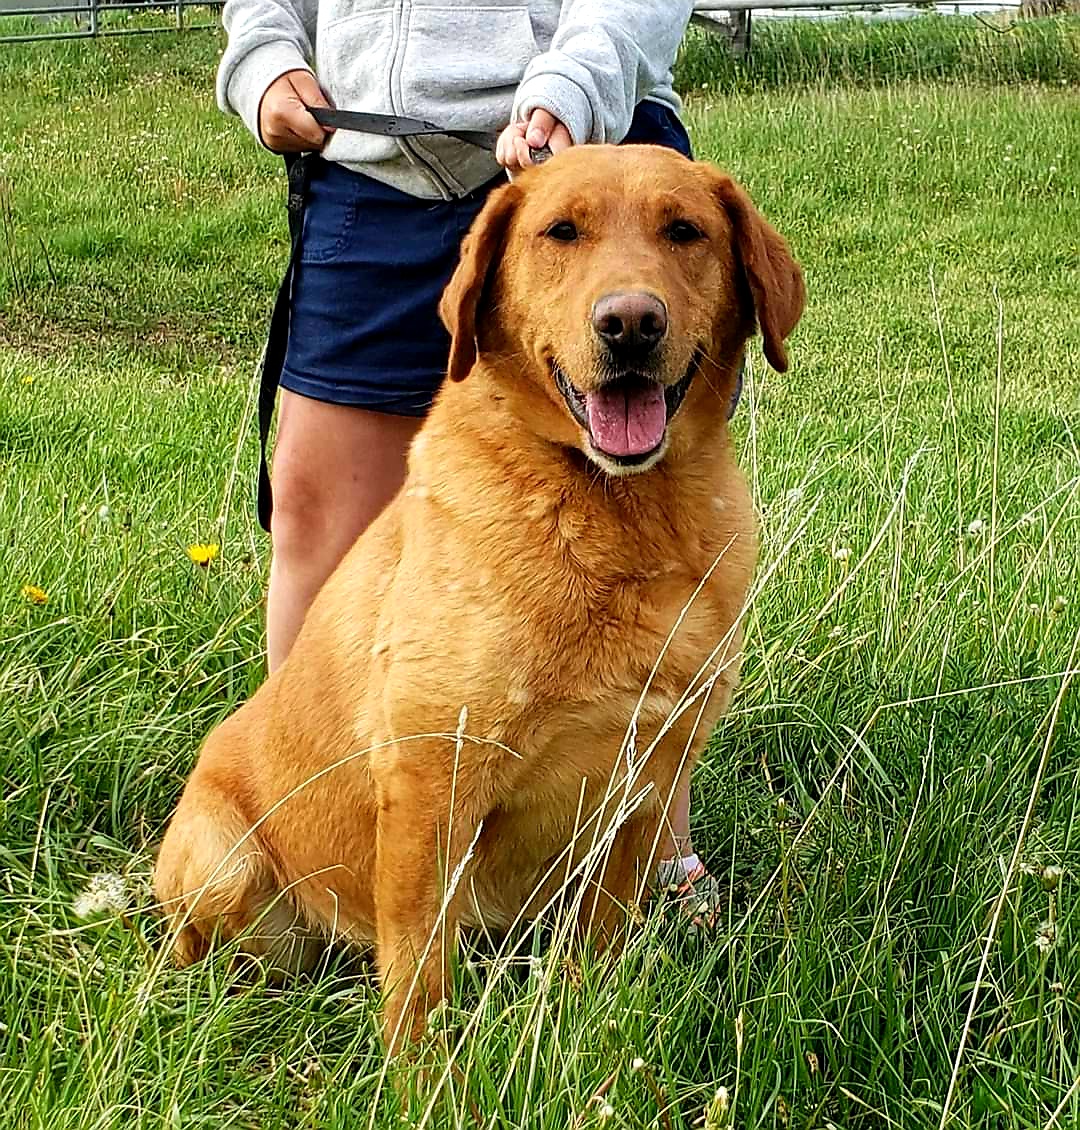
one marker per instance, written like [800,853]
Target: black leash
[298,166]
[390,125]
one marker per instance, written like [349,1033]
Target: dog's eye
[564,231]
[682,231]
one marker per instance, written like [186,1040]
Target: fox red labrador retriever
[567,562]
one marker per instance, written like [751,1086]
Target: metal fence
[90,18]
[93,18]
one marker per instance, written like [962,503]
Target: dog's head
[612,282]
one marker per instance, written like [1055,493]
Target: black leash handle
[394,125]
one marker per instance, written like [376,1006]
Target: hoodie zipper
[410,148]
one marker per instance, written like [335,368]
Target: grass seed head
[1051,877]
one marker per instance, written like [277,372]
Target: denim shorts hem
[363,395]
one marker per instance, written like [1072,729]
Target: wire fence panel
[91,18]
[38,19]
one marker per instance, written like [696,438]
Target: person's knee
[307,522]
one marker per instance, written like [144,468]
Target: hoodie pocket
[353,63]
[462,64]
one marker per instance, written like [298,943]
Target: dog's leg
[213,880]
[425,829]
[613,888]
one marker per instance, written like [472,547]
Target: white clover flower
[104,513]
[842,554]
[638,1064]
[106,893]
[1045,937]
[976,528]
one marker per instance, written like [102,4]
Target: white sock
[678,870]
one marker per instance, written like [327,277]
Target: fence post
[93,17]
[179,15]
[740,34]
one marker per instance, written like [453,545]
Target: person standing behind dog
[384,218]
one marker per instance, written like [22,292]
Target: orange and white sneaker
[688,885]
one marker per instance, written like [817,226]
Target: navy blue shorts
[364,327]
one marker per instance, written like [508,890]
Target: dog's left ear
[463,298]
[774,278]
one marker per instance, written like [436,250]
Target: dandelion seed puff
[842,554]
[104,513]
[638,1064]
[606,1111]
[106,893]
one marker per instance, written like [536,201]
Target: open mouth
[627,417]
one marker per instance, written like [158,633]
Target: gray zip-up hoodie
[461,64]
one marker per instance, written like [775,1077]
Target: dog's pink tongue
[626,423]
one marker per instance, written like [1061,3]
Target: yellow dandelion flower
[34,594]
[28,380]
[202,554]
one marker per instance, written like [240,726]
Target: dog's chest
[553,612]
[574,656]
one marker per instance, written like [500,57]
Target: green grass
[904,727]
[932,48]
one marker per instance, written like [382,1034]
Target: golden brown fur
[519,575]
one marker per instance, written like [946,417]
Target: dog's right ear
[462,301]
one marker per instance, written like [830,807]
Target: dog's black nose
[629,323]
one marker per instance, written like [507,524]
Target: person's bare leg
[681,874]
[680,844]
[335,468]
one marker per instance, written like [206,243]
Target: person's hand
[542,128]
[285,126]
